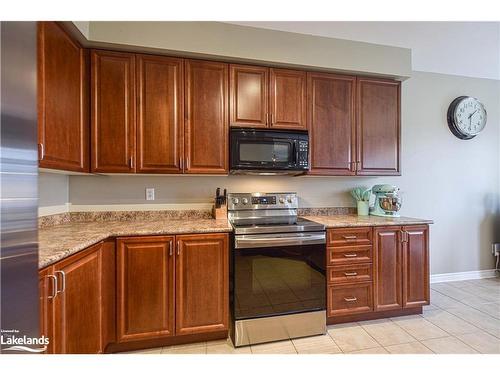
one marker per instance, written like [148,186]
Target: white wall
[53,193]
[469,49]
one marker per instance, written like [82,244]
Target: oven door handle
[247,242]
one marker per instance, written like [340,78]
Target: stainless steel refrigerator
[19,191]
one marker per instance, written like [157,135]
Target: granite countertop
[339,221]
[60,241]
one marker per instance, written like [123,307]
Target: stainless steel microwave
[269,152]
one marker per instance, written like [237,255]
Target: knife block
[220,213]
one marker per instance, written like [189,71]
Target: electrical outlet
[150,194]
[495,249]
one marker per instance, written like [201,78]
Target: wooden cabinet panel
[349,255]
[145,287]
[78,311]
[388,268]
[160,118]
[63,119]
[350,273]
[288,99]
[202,285]
[349,236]
[113,107]
[349,299]
[249,96]
[331,123]
[47,291]
[416,266]
[378,127]
[108,296]
[206,127]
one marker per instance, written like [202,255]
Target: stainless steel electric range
[278,270]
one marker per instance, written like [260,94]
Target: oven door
[276,274]
[254,150]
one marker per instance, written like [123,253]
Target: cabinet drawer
[349,236]
[350,299]
[349,255]
[350,273]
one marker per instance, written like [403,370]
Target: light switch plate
[150,194]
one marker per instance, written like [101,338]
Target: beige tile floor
[463,317]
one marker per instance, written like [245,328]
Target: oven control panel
[256,201]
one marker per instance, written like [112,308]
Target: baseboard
[459,276]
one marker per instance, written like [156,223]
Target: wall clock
[466,117]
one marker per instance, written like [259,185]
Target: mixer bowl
[392,204]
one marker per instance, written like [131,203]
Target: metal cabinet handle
[170,250]
[54,287]
[350,238]
[63,281]
[131,162]
[350,255]
[404,236]
[350,273]
[178,248]
[42,151]
[350,299]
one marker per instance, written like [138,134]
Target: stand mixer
[387,201]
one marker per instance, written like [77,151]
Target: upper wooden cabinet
[331,103]
[287,94]
[202,283]
[113,109]
[206,126]
[160,117]
[378,127]
[249,96]
[145,298]
[63,120]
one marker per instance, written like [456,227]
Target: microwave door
[269,154]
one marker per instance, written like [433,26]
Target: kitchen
[199,198]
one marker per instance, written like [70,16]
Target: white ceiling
[469,49]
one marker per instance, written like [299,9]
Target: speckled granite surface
[326,211]
[339,221]
[60,241]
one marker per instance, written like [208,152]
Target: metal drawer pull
[170,250]
[350,238]
[54,287]
[352,299]
[350,255]
[63,287]
[351,273]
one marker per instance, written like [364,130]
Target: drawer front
[349,255]
[350,273]
[350,299]
[349,236]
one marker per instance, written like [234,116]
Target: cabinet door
[206,128]
[331,124]
[63,119]
[113,111]
[249,94]
[78,310]
[160,121]
[378,127]
[202,283]
[47,291]
[288,99]
[388,267]
[145,287]
[416,266]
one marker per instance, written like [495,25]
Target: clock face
[466,117]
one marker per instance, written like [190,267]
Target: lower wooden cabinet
[401,267]
[74,307]
[202,283]
[172,285]
[387,274]
[145,287]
